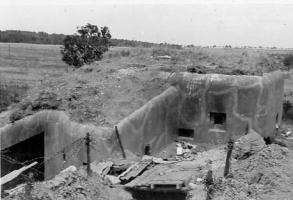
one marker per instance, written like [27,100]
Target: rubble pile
[179,151]
[121,171]
[268,174]
[66,185]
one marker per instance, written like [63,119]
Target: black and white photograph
[146,99]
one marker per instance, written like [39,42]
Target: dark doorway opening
[218,118]
[158,194]
[182,132]
[267,140]
[23,154]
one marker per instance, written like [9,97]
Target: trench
[23,154]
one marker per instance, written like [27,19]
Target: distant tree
[30,37]
[87,46]
[288,61]
[190,45]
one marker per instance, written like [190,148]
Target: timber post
[88,156]
[120,143]
[229,153]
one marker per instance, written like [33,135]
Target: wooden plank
[136,169]
[169,174]
[12,175]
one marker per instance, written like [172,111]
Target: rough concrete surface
[60,132]
[254,101]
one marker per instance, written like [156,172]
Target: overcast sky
[235,22]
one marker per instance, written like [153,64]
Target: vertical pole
[208,183]
[9,50]
[229,153]
[88,157]
[120,143]
[29,186]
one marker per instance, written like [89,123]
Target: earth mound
[268,174]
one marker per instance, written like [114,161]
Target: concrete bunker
[206,108]
[52,140]
[200,108]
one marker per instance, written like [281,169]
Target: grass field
[29,62]
[106,91]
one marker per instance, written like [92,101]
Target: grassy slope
[107,91]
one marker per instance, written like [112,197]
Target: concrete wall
[155,123]
[60,132]
[254,100]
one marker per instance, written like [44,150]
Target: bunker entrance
[23,154]
[159,194]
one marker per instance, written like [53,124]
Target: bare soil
[266,175]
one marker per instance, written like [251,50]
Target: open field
[29,62]
[107,91]
[23,65]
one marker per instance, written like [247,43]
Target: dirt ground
[265,175]
[76,185]
[268,174]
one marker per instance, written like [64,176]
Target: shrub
[197,69]
[161,52]
[16,115]
[85,47]
[287,110]
[45,100]
[288,61]
[125,53]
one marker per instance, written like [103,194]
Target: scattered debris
[73,185]
[112,180]
[101,168]
[14,191]
[185,150]
[12,175]
[267,174]
[119,166]
[170,176]
[69,169]
[167,57]
[286,133]
[248,144]
[157,160]
[135,170]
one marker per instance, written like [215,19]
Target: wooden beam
[12,175]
